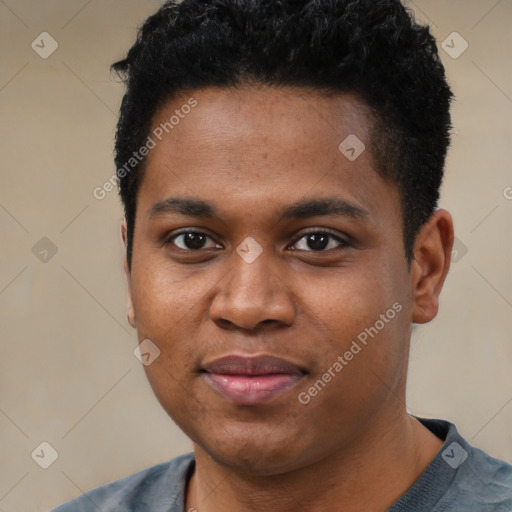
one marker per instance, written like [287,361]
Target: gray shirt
[460,478]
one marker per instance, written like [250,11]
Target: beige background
[67,371]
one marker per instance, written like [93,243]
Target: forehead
[277,114]
[265,145]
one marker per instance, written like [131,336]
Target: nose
[252,295]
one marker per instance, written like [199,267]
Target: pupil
[194,240]
[318,241]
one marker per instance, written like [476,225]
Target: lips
[251,380]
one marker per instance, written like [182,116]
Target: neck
[370,474]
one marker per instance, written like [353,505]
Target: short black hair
[373,48]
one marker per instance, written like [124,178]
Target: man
[280,164]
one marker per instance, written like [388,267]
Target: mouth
[252,380]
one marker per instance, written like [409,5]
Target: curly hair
[373,48]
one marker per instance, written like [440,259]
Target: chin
[254,449]
[255,459]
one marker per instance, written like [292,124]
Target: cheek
[366,316]
[351,299]
[164,306]
[164,296]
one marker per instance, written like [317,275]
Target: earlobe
[130,309]
[432,254]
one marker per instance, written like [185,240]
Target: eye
[192,241]
[320,241]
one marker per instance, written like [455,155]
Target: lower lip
[257,389]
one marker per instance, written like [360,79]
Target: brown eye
[319,241]
[191,241]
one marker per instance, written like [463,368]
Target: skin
[263,149]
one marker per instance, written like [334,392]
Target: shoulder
[155,488]
[460,478]
[475,480]
[486,481]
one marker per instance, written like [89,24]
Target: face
[269,270]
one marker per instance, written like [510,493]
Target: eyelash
[344,244]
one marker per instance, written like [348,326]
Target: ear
[432,256]
[129,300]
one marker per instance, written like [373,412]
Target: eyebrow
[301,209]
[183,206]
[324,206]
